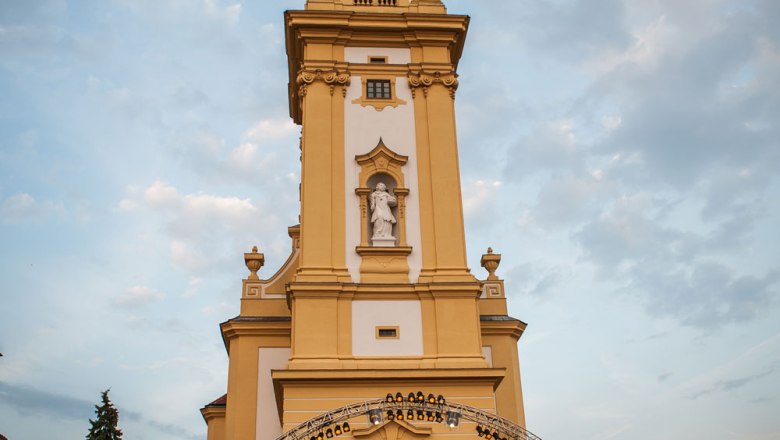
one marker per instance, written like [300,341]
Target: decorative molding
[426,79]
[381,160]
[490,262]
[378,104]
[332,78]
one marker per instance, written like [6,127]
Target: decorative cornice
[332,78]
[425,79]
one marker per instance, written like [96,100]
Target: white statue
[381,214]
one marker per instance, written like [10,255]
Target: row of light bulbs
[431,415]
[487,435]
[415,398]
[423,416]
[375,415]
[331,432]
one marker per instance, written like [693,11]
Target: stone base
[384,264]
[383,242]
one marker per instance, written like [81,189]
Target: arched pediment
[393,430]
[381,160]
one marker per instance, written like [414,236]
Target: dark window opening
[378,60]
[391,333]
[378,89]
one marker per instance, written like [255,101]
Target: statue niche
[383,203]
[382,196]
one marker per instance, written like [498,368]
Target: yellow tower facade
[376,300]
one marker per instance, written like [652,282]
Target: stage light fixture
[420,415]
[431,399]
[375,416]
[453,418]
[440,400]
[399,397]
[337,430]
[346,427]
[329,433]
[420,396]
[410,397]
[389,398]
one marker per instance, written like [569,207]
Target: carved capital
[332,78]
[425,79]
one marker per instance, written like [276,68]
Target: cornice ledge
[489,374]
[502,325]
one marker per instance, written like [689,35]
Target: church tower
[374,328]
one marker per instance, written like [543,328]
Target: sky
[621,155]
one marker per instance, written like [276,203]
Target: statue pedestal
[383,242]
[384,264]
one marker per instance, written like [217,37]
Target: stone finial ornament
[254,261]
[490,262]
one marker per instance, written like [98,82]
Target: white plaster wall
[487,351]
[394,55]
[269,426]
[364,126]
[367,315]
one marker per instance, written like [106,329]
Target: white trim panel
[364,126]
[368,315]
[268,423]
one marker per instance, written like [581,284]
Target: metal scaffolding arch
[495,424]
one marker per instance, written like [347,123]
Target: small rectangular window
[387,333]
[378,89]
[377,60]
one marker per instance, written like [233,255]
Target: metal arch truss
[315,425]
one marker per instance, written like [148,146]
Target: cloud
[674,271]
[538,280]
[479,198]
[174,430]
[206,232]
[31,401]
[23,208]
[138,296]
[657,158]
[254,159]
[732,384]
[568,199]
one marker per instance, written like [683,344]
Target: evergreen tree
[104,427]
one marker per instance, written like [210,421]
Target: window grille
[378,89]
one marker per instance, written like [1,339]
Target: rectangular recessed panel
[369,317]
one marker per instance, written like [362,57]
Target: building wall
[364,126]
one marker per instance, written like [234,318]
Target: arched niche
[390,185]
[382,165]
